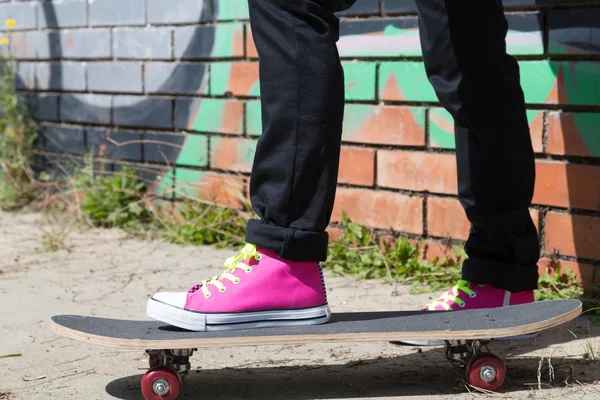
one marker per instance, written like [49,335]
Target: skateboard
[466,335]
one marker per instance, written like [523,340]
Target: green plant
[204,223]
[53,239]
[56,228]
[17,135]
[357,252]
[561,285]
[116,200]
[592,350]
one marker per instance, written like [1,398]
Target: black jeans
[294,176]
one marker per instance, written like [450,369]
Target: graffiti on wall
[573,83]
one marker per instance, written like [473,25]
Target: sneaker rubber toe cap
[175,299]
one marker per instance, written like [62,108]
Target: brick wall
[171,87]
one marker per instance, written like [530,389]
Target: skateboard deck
[464,332]
[343,327]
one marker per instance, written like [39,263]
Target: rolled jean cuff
[511,277]
[290,244]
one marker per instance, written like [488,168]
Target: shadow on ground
[422,372]
[369,378]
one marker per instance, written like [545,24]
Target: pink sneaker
[257,290]
[469,296]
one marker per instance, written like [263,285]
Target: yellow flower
[11,23]
[3,41]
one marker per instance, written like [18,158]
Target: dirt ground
[104,273]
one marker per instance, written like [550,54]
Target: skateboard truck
[163,380]
[482,368]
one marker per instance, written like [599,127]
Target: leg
[478,83]
[294,176]
[276,280]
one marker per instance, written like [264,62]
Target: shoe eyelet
[473,295]
[248,270]
[258,257]
[222,290]
[235,282]
[207,295]
[462,305]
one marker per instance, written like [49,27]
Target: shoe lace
[232,263]
[452,295]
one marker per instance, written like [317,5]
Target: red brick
[220,189]
[238,45]
[170,210]
[420,171]
[233,117]
[567,185]
[247,186]
[444,121]
[381,209]
[563,135]
[535,216]
[439,250]
[18,44]
[587,274]
[232,154]
[385,125]
[536,128]
[334,232]
[573,235]
[357,166]
[387,240]
[224,190]
[446,218]
[243,78]
[250,46]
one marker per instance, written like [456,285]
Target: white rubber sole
[196,321]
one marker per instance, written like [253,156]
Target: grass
[560,285]
[11,355]
[592,350]
[55,231]
[18,132]
[117,200]
[54,238]
[358,252]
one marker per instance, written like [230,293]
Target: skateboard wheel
[161,383]
[486,371]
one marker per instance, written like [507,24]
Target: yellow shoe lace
[232,263]
[452,295]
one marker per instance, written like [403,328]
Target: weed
[112,201]
[17,135]
[204,223]
[56,232]
[592,350]
[54,238]
[561,285]
[357,252]
[11,355]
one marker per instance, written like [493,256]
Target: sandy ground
[104,273]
